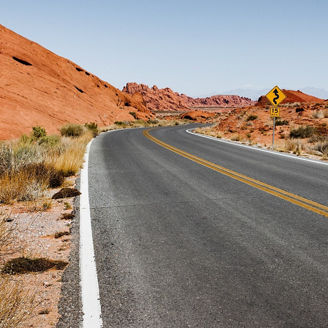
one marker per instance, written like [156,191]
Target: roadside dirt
[40,233]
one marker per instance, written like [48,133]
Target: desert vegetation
[31,164]
[144,123]
[302,128]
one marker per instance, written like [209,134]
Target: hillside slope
[37,87]
[292,96]
[167,100]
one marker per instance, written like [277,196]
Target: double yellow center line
[280,193]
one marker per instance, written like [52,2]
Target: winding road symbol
[275,96]
[276,92]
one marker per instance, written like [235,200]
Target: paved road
[180,245]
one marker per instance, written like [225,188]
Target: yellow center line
[280,193]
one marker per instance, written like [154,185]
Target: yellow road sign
[275,96]
[275,111]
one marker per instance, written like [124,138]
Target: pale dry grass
[20,186]
[29,166]
[209,131]
[318,114]
[70,161]
[16,304]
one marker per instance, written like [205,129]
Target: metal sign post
[274,126]
[274,112]
[275,96]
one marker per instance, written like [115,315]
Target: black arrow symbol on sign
[276,92]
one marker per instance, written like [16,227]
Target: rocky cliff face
[167,100]
[37,87]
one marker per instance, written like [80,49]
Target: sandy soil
[34,236]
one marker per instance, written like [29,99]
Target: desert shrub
[134,114]
[20,186]
[72,130]
[49,141]
[322,147]
[299,110]
[70,161]
[16,304]
[302,132]
[93,127]
[152,121]
[38,132]
[318,114]
[119,123]
[279,122]
[24,139]
[251,118]
[12,157]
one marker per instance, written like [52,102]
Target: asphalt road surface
[179,244]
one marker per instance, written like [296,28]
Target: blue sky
[194,47]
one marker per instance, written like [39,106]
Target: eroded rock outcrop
[167,100]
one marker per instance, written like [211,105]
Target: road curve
[181,245]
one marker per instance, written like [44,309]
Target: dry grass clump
[16,304]
[70,161]
[208,131]
[34,163]
[72,130]
[318,114]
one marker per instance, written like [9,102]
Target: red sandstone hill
[37,87]
[168,100]
[292,97]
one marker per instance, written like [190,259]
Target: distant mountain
[253,94]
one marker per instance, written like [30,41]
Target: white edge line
[88,272]
[91,307]
[254,148]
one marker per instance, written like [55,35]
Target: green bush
[251,118]
[38,132]
[93,127]
[72,130]
[302,132]
[49,141]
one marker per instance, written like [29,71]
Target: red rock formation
[291,97]
[168,100]
[37,87]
